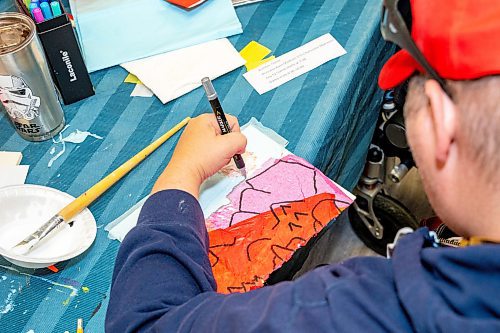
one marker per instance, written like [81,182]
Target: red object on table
[53,268]
[187,3]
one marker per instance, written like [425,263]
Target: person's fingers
[233,123]
[206,118]
[212,120]
[233,143]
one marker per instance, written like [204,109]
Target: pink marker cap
[38,15]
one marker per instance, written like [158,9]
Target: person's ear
[444,120]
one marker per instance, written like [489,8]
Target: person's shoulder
[359,293]
[459,284]
[350,274]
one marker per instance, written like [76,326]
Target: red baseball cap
[459,38]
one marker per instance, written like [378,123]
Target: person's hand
[200,152]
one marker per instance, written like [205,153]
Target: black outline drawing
[293,222]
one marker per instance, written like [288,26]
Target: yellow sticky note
[255,64]
[254,52]
[131,78]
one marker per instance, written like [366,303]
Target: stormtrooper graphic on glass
[17,98]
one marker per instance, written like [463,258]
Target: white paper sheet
[237,3]
[263,144]
[119,228]
[10,158]
[13,174]
[173,74]
[141,90]
[290,65]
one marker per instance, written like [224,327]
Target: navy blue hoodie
[163,282]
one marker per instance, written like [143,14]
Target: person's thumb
[233,143]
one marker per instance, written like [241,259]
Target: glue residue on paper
[59,154]
[8,302]
[79,136]
[75,137]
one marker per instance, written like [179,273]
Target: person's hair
[478,102]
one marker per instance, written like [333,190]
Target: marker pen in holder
[32,7]
[56,8]
[47,13]
[38,15]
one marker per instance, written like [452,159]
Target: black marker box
[64,56]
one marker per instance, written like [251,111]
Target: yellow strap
[477,241]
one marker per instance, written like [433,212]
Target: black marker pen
[221,118]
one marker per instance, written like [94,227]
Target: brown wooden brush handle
[84,200]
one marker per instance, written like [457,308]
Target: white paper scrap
[290,65]
[119,228]
[13,175]
[10,158]
[173,74]
[141,90]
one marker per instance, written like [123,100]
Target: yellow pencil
[84,200]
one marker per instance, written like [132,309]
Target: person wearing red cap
[453,125]
[163,281]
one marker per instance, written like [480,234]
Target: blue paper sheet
[112,32]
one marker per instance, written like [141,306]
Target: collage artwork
[255,224]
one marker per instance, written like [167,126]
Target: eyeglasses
[393,29]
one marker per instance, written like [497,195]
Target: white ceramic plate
[24,208]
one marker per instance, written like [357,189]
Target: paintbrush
[84,200]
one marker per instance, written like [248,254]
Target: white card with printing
[290,65]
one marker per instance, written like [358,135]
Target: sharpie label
[18,99]
[69,66]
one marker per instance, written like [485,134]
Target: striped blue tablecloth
[328,116]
